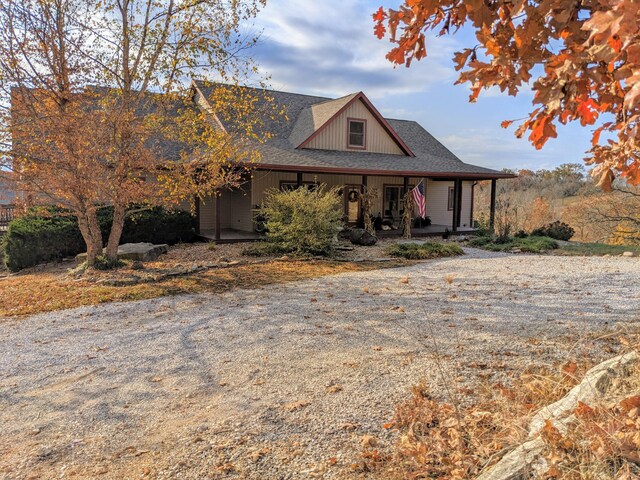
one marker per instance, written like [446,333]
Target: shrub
[530,244]
[481,225]
[33,239]
[103,263]
[558,230]
[39,237]
[479,241]
[415,251]
[521,234]
[303,220]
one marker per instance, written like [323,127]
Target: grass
[38,292]
[529,244]
[421,251]
[264,249]
[596,249]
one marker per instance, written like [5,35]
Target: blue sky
[328,48]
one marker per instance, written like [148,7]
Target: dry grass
[461,439]
[458,440]
[603,442]
[52,288]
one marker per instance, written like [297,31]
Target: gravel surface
[284,381]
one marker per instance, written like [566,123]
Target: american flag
[419,199]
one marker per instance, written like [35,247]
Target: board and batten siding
[438,202]
[208,213]
[235,210]
[263,181]
[334,135]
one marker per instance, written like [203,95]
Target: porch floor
[431,230]
[228,235]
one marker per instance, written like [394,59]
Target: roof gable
[315,120]
[428,157]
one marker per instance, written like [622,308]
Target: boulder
[627,254]
[359,236]
[142,252]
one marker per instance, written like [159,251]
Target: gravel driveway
[282,382]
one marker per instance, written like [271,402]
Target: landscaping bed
[186,268]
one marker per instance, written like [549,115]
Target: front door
[352,203]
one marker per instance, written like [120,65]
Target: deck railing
[6,215]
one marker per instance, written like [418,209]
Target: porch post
[492,209]
[218,196]
[363,190]
[197,205]
[456,205]
[299,179]
[459,211]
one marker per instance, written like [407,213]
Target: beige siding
[235,210]
[263,181]
[208,214]
[437,203]
[334,135]
[437,198]
[333,180]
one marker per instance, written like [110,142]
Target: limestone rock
[142,252]
[359,236]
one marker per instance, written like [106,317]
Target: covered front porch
[231,215]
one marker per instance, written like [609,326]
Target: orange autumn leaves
[582,60]
[603,441]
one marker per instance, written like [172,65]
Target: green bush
[421,251]
[479,241]
[304,220]
[33,239]
[39,237]
[558,230]
[530,244]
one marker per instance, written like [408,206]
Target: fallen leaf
[293,406]
[368,441]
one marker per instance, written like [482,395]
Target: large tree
[581,58]
[96,107]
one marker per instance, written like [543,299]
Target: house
[346,142]
[7,199]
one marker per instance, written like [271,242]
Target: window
[451,200]
[357,131]
[393,202]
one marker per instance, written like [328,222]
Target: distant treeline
[566,193]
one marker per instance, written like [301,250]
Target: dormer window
[357,133]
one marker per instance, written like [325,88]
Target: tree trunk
[115,234]
[90,230]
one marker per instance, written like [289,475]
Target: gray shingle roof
[307,113]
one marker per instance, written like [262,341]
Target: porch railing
[6,215]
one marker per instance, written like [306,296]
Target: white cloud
[328,48]
[493,149]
